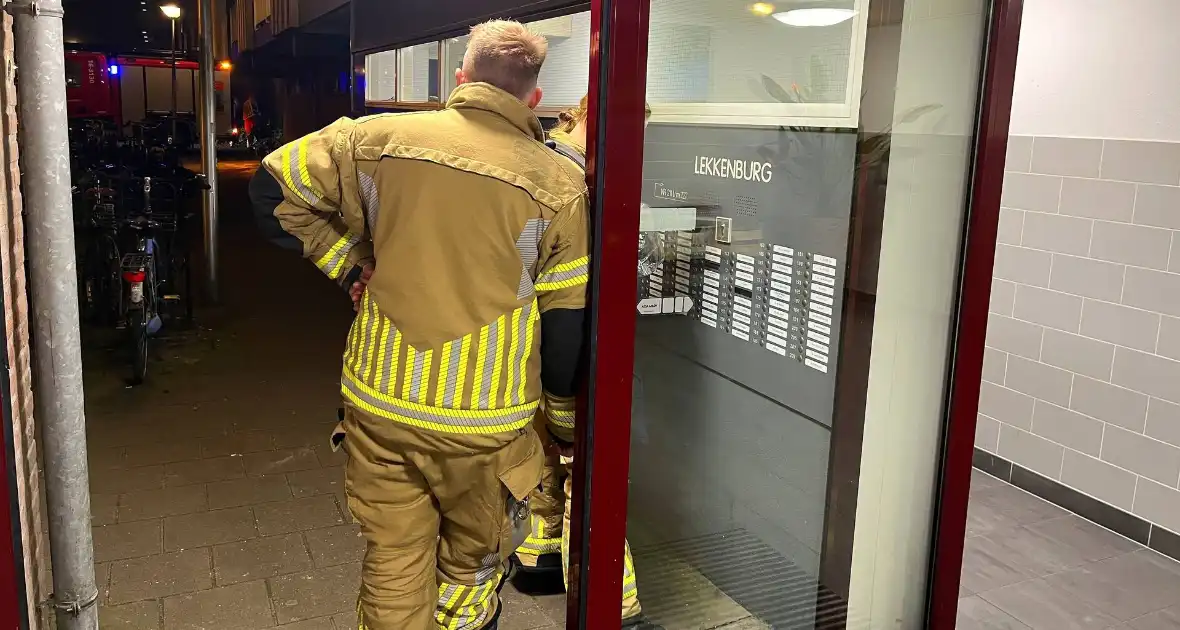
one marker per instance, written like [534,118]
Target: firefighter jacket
[479,236]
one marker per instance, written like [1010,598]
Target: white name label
[726,168]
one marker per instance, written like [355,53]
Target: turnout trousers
[550,526]
[440,513]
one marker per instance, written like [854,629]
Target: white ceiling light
[814,16]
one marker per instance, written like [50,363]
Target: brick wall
[16,338]
[1082,370]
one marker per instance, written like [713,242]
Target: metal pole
[208,124]
[175,138]
[49,224]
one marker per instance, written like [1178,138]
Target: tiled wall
[1082,369]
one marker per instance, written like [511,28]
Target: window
[453,50]
[565,77]
[74,73]
[405,76]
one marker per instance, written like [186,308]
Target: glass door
[769,367]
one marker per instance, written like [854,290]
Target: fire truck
[127,89]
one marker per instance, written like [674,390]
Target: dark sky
[122,25]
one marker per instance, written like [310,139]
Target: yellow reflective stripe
[334,262]
[564,275]
[481,353]
[372,327]
[513,348]
[459,611]
[408,372]
[442,418]
[444,366]
[528,350]
[423,378]
[498,365]
[561,417]
[461,375]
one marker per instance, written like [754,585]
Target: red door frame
[991,146]
[13,613]
[618,64]
[618,86]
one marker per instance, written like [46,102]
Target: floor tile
[104,509]
[238,607]
[347,621]
[319,623]
[521,612]
[281,461]
[976,614]
[1017,504]
[143,615]
[328,457]
[982,481]
[297,515]
[160,576]
[237,443]
[102,580]
[208,528]
[1089,541]
[1166,619]
[986,517]
[204,471]
[163,452]
[127,540]
[260,558]
[308,595]
[1042,606]
[987,564]
[127,479]
[336,545]
[248,491]
[319,481]
[145,504]
[1124,587]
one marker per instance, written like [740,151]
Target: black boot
[543,579]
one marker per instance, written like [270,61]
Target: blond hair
[505,54]
[569,118]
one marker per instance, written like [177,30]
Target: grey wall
[1082,368]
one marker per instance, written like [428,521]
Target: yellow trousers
[440,513]
[549,531]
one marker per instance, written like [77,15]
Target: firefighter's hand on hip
[358,288]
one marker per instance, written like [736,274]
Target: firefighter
[545,551]
[468,242]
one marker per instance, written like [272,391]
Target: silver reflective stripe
[369,198]
[416,378]
[385,384]
[446,595]
[453,371]
[489,359]
[341,253]
[527,245]
[469,420]
[293,163]
[371,320]
[562,276]
[521,351]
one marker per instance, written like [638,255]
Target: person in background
[464,241]
[546,550]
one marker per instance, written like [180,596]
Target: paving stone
[319,481]
[260,558]
[204,471]
[145,504]
[237,443]
[281,461]
[311,594]
[127,540]
[143,615]
[102,580]
[336,545]
[248,491]
[297,515]
[319,623]
[328,457]
[238,607]
[208,528]
[163,452]
[118,481]
[160,575]
[345,621]
[104,509]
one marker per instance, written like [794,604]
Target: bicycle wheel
[139,347]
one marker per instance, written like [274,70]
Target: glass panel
[74,73]
[453,50]
[565,76]
[380,72]
[704,51]
[795,293]
[418,74]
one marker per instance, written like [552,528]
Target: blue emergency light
[114,70]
